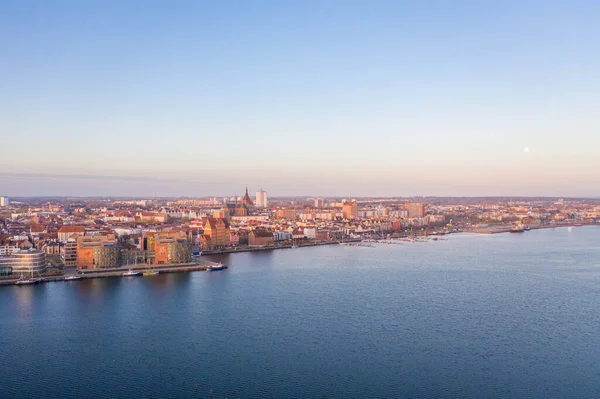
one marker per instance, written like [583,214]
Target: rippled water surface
[509,315]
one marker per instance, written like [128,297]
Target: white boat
[28,281]
[131,273]
[218,266]
[72,277]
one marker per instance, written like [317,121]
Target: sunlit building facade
[23,262]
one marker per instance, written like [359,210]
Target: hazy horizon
[337,98]
[50,185]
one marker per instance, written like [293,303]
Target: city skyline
[313,98]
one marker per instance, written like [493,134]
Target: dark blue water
[510,315]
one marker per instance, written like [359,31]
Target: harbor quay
[198,265]
[274,247]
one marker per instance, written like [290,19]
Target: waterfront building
[4,201]
[261,198]
[234,239]
[218,230]
[137,256]
[282,235]
[350,210]
[260,237]
[179,252]
[68,253]
[171,249]
[25,262]
[148,242]
[86,246]
[310,232]
[106,256]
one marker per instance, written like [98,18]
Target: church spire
[247,200]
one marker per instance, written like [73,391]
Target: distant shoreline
[507,229]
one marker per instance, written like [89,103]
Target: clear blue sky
[300,97]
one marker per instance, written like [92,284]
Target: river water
[507,315]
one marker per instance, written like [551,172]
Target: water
[510,315]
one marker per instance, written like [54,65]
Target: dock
[199,265]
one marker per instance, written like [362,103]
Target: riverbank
[274,247]
[508,229]
[199,265]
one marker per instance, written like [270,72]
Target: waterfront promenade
[274,247]
[197,265]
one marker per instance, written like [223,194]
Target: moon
[526,149]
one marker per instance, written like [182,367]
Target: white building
[8,248]
[261,199]
[4,201]
[310,232]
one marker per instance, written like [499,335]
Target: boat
[218,266]
[28,281]
[131,273]
[72,277]
[151,272]
[517,229]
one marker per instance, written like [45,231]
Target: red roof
[71,229]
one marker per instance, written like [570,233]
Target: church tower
[247,200]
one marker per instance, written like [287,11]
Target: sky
[330,97]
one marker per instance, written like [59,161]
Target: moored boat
[131,273]
[28,281]
[218,266]
[72,277]
[151,272]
